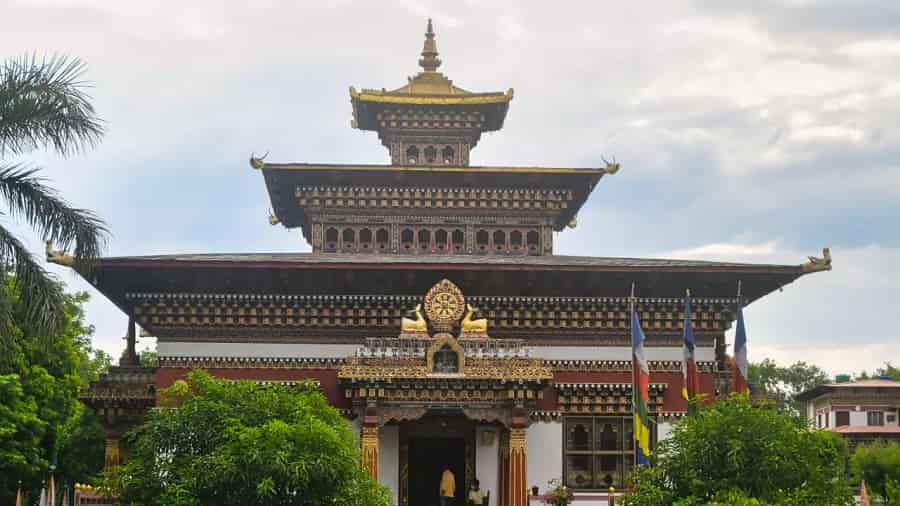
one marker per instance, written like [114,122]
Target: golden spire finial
[429,61]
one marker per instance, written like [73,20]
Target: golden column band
[518,466]
[370,450]
[113,454]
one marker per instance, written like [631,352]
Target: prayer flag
[690,380]
[740,383]
[640,397]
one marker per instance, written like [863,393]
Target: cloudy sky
[754,131]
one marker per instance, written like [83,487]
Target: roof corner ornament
[59,257]
[429,61]
[273,219]
[573,222]
[611,167]
[815,264]
[258,163]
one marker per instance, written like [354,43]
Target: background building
[863,410]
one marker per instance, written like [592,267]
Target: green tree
[41,420]
[784,383]
[888,371]
[734,449]
[148,358]
[243,443]
[43,104]
[879,464]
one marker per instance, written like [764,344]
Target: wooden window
[349,239]
[515,240]
[447,155]
[331,239]
[412,155]
[841,418]
[430,154]
[424,239]
[365,240]
[459,240]
[406,240]
[440,239]
[481,240]
[381,239]
[499,240]
[875,418]
[598,451]
[534,242]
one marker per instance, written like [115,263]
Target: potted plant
[558,494]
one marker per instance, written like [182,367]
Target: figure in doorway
[448,487]
[476,495]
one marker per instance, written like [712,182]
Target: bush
[735,452]
[242,443]
[879,464]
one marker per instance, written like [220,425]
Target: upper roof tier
[430,114]
[523,198]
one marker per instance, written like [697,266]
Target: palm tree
[43,105]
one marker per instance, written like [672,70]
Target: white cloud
[724,251]
[881,48]
[829,132]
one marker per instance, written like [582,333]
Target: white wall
[704,354]
[663,431]
[389,459]
[487,462]
[858,418]
[545,440]
[273,350]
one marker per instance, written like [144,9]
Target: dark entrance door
[428,457]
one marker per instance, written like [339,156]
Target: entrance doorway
[428,457]
[437,441]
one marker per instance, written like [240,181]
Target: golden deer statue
[470,327]
[415,326]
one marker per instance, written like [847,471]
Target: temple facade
[432,310]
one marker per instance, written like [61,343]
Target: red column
[518,467]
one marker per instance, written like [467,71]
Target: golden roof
[429,87]
[261,164]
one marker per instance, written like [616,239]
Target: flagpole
[689,378]
[634,443]
[19,495]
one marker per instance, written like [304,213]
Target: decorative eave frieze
[258,316]
[621,365]
[604,397]
[251,362]
[213,362]
[557,416]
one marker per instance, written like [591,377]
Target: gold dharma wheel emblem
[444,305]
